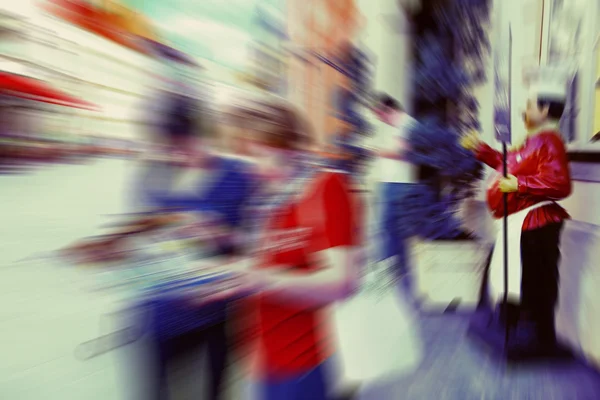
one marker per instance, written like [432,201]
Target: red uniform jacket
[542,168]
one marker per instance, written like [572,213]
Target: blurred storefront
[268,59]
[70,56]
[319,28]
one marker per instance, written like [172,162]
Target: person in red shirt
[538,176]
[305,259]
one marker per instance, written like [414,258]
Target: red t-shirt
[293,338]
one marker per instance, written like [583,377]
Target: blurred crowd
[247,190]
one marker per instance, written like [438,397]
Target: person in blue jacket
[219,185]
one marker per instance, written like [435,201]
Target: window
[595,105]
[572,39]
[565,30]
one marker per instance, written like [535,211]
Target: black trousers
[540,256]
[213,340]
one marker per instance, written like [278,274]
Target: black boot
[546,333]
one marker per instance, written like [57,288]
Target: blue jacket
[227,195]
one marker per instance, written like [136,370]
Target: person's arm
[398,152]
[484,153]
[488,156]
[401,147]
[553,178]
[336,279]
[338,275]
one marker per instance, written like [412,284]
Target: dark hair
[389,102]
[556,108]
[182,119]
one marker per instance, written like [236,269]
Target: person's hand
[253,281]
[240,266]
[239,285]
[250,278]
[388,154]
[470,141]
[509,184]
[216,292]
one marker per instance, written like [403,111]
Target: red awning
[126,28]
[33,89]
[95,20]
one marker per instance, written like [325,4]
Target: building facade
[319,28]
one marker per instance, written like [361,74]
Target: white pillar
[386,35]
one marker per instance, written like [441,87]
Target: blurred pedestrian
[304,261]
[396,174]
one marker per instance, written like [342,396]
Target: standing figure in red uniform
[538,176]
[306,261]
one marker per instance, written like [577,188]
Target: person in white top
[395,175]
